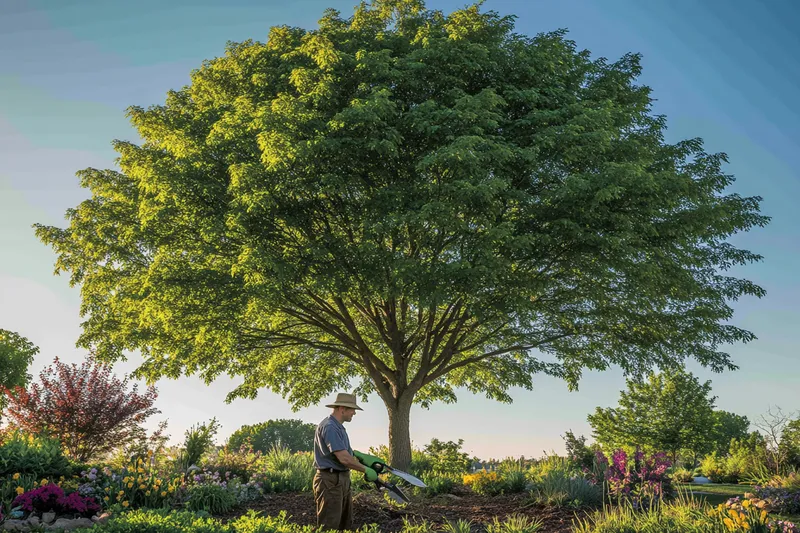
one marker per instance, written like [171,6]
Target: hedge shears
[380,466]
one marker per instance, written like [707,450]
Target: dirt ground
[369,507]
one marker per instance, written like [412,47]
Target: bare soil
[370,507]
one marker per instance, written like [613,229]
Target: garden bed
[369,507]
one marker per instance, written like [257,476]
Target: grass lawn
[715,493]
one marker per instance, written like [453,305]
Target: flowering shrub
[139,487]
[51,497]
[639,481]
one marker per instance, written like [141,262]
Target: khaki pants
[334,500]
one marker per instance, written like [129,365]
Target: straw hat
[345,400]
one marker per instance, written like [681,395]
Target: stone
[33,520]
[69,523]
[16,525]
[48,518]
[701,480]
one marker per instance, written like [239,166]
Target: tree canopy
[407,202]
[294,435]
[16,355]
[666,412]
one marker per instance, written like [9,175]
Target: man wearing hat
[333,459]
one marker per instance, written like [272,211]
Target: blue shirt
[330,437]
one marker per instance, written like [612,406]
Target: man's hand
[367,460]
[370,474]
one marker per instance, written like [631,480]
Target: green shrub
[515,481]
[515,524]
[280,470]
[214,499]
[713,467]
[438,483]
[682,475]
[486,483]
[39,457]
[559,488]
[160,521]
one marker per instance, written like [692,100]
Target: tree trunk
[399,432]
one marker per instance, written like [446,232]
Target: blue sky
[723,70]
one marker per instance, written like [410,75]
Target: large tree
[728,426]
[294,435]
[666,412]
[407,203]
[16,355]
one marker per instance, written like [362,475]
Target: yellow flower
[15,476]
[746,504]
[763,516]
[106,498]
[43,482]
[163,493]
[130,485]
[125,503]
[147,493]
[20,490]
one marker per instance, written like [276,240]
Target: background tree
[296,435]
[772,426]
[671,412]
[728,426]
[16,355]
[407,203]
[87,408]
[790,444]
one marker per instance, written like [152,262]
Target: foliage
[774,425]
[682,475]
[199,439]
[577,451]
[295,435]
[726,427]
[230,462]
[413,201]
[280,470]
[515,524]
[640,481]
[559,487]
[780,499]
[87,408]
[685,515]
[438,483]
[485,483]
[211,498]
[670,411]
[789,447]
[141,445]
[37,456]
[51,497]
[16,355]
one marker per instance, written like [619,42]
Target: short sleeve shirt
[330,437]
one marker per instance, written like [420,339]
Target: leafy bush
[437,483]
[682,475]
[230,462]
[485,483]
[199,439]
[280,470]
[713,467]
[161,521]
[561,487]
[214,499]
[40,457]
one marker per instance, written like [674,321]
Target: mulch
[370,507]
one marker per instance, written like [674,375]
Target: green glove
[367,460]
[370,474]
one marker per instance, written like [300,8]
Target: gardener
[333,459]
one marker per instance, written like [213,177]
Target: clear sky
[723,70]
